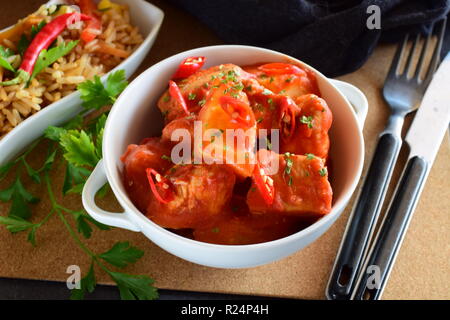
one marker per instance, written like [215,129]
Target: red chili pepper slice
[280,68]
[94,26]
[238,110]
[163,185]
[188,67]
[175,93]
[264,184]
[287,118]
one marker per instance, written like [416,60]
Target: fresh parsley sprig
[78,146]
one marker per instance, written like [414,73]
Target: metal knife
[424,138]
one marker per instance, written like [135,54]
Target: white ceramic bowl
[135,116]
[144,15]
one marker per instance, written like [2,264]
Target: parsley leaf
[46,58]
[121,254]
[34,175]
[54,133]
[79,149]
[20,198]
[15,224]
[4,169]
[134,287]
[74,179]
[96,95]
[87,284]
[83,227]
[4,54]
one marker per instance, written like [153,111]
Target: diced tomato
[94,26]
[294,85]
[236,150]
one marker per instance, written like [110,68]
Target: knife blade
[424,138]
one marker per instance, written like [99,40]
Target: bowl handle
[357,99]
[95,181]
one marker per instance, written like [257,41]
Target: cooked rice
[82,63]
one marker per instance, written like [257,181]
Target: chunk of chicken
[151,153]
[201,192]
[301,186]
[312,126]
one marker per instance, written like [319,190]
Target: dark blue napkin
[330,35]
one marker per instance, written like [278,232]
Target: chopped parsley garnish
[271,79]
[288,168]
[309,156]
[231,75]
[166,98]
[239,86]
[289,79]
[289,163]
[248,88]
[259,120]
[259,107]
[307,120]
[191,96]
[164,157]
[271,103]
[266,92]
[202,102]
[323,172]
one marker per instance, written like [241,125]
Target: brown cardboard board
[421,270]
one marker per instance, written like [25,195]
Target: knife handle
[363,218]
[392,231]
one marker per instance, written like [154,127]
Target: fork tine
[396,60]
[422,56]
[410,56]
[436,54]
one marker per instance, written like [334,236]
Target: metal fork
[403,95]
